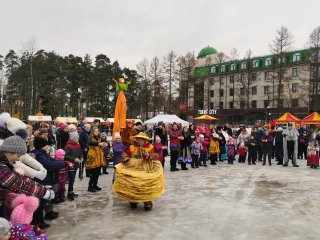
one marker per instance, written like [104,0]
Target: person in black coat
[222,142]
[62,136]
[278,146]
[252,149]
[83,141]
[163,135]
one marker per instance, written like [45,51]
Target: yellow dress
[139,180]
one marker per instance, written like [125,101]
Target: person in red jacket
[204,151]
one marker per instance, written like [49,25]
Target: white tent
[35,118]
[91,119]
[166,118]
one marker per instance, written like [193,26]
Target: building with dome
[250,89]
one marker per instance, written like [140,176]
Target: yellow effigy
[139,179]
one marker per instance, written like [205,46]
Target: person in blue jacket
[52,166]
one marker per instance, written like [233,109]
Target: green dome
[206,51]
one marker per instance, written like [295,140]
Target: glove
[49,195]
[40,175]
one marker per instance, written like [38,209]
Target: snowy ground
[219,202]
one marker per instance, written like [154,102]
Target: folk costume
[139,177]
[120,112]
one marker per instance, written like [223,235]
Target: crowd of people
[38,162]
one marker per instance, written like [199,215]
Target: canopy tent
[166,118]
[66,120]
[313,118]
[286,118]
[40,118]
[111,120]
[206,118]
[91,119]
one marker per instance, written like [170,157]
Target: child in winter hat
[61,188]
[21,217]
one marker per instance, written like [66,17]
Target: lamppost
[268,108]
[66,107]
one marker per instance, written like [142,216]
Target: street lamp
[268,107]
[66,107]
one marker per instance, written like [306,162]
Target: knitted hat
[43,131]
[13,124]
[4,227]
[103,134]
[87,125]
[117,135]
[72,126]
[158,138]
[4,117]
[24,207]
[63,126]
[74,135]
[14,144]
[201,135]
[219,128]
[40,142]
[60,153]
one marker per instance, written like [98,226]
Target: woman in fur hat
[139,177]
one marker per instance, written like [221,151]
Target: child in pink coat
[61,189]
[158,147]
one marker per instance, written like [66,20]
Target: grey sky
[129,30]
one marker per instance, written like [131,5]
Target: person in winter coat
[313,154]
[53,167]
[185,155]
[163,134]
[62,136]
[204,151]
[303,143]
[175,138]
[222,142]
[10,181]
[74,155]
[231,150]
[118,149]
[290,145]
[253,150]
[105,151]
[159,148]
[214,148]
[196,148]
[83,141]
[267,147]
[61,188]
[278,146]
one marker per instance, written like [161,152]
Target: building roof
[206,51]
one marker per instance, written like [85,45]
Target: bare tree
[314,48]
[281,47]
[143,70]
[156,79]
[170,75]
[29,49]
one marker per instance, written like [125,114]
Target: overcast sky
[129,30]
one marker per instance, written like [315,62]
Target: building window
[212,93]
[255,63]
[254,90]
[221,80]
[221,92]
[267,76]
[254,104]
[242,104]
[211,105]
[233,67]
[254,76]
[295,87]
[231,79]
[231,92]
[223,68]
[242,91]
[231,106]
[268,62]
[296,57]
[266,103]
[294,72]
[243,77]
[295,102]
[221,105]
[266,90]
[280,103]
[243,65]
[213,69]
[281,88]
